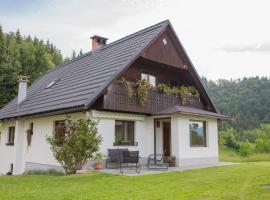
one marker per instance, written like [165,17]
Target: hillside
[246,101]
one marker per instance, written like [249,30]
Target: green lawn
[241,181]
[231,155]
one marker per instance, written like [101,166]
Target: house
[90,86]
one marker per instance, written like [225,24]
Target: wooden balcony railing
[117,99]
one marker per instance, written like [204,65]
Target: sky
[225,39]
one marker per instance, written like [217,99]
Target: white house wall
[39,156]
[181,141]
[7,153]
[143,133]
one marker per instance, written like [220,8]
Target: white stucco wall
[7,153]
[181,141]
[143,133]
[39,152]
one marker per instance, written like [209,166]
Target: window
[197,130]
[150,78]
[60,130]
[164,41]
[52,83]
[124,133]
[31,126]
[11,136]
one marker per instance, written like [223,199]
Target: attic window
[164,41]
[52,83]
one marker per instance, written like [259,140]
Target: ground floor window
[197,131]
[124,133]
[11,135]
[60,130]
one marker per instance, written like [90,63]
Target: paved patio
[145,171]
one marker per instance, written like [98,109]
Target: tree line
[24,55]
[246,101]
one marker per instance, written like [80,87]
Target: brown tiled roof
[82,79]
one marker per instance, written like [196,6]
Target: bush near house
[248,143]
[80,143]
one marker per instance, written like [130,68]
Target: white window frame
[205,123]
[148,77]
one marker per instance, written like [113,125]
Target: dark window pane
[11,135]
[60,130]
[197,133]
[31,126]
[124,132]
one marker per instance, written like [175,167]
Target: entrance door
[167,138]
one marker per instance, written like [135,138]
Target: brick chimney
[98,42]
[22,89]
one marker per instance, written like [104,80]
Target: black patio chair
[114,157]
[130,159]
[156,161]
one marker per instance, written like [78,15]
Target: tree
[80,143]
[73,54]
[21,55]
[81,52]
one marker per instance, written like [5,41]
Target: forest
[247,102]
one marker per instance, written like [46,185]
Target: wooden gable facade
[165,60]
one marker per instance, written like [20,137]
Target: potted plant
[29,136]
[98,165]
[193,91]
[170,160]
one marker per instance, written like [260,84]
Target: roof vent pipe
[22,88]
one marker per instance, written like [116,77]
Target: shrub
[262,145]
[128,86]
[81,143]
[245,148]
[142,91]
[164,88]
[193,91]
[228,139]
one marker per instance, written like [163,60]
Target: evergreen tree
[81,52]
[23,56]
[73,54]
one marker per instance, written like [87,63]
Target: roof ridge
[113,43]
[133,34]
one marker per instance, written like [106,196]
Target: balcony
[117,99]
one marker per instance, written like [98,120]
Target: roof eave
[46,113]
[220,117]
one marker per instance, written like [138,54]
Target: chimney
[98,42]
[22,88]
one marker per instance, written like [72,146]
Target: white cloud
[204,27]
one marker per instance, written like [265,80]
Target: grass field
[241,181]
[231,155]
